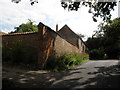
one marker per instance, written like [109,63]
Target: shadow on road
[33,79]
[105,77]
[108,77]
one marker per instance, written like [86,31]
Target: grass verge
[66,61]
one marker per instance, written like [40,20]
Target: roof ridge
[2,33]
[19,33]
[73,32]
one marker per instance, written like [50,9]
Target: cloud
[49,12]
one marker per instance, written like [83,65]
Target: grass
[66,61]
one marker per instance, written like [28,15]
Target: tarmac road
[93,74]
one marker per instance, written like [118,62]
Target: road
[92,74]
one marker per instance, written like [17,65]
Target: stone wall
[66,33]
[62,46]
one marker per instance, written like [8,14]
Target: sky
[48,12]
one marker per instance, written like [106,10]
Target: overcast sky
[50,13]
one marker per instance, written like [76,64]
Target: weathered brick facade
[47,43]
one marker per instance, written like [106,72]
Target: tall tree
[112,38]
[106,38]
[27,27]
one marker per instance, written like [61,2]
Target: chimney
[56,27]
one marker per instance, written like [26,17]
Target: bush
[65,61]
[97,54]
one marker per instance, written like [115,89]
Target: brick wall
[45,49]
[29,43]
[46,42]
[27,39]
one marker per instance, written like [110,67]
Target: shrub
[65,61]
[97,54]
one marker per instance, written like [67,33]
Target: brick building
[2,33]
[47,43]
[71,37]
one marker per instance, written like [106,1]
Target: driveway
[92,74]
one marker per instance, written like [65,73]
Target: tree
[96,47]
[109,41]
[112,38]
[94,43]
[96,7]
[27,27]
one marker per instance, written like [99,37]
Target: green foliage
[97,8]
[107,40]
[94,43]
[65,61]
[28,27]
[97,54]
[112,38]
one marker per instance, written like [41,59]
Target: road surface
[92,74]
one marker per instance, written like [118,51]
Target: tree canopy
[107,39]
[27,27]
[96,7]
[112,38]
